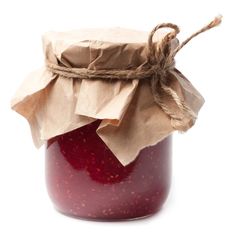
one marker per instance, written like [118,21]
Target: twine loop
[159,64]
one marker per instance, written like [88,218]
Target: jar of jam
[105,105]
[84,179]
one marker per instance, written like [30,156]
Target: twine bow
[160,63]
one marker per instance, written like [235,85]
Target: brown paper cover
[131,120]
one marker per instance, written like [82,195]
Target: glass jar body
[85,180]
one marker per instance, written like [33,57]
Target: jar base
[98,219]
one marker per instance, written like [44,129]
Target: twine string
[160,63]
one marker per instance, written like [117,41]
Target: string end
[216,21]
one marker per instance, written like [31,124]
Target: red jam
[85,179]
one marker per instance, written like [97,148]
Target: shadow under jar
[85,179]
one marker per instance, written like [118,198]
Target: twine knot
[160,62]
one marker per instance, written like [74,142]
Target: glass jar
[85,180]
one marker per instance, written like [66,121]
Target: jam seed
[104,212]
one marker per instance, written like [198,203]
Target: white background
[203,195]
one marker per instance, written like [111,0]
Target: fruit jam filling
[85,179]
